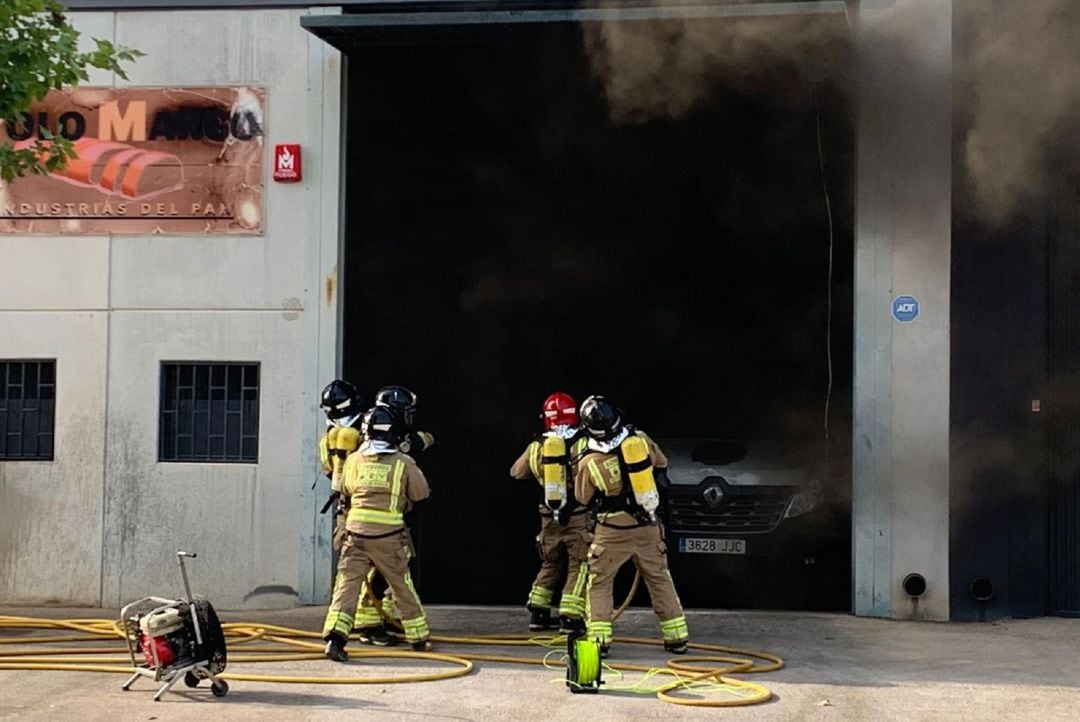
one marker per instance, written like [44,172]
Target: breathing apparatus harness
[340,401]
[340,441]
[556,477]
[634,472]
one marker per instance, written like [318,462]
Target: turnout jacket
[380,489]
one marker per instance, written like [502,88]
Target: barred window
[27,410]
[209,412]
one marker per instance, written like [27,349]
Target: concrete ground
[838,667]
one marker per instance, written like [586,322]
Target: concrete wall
[902,246]
[50,512]
[100,523]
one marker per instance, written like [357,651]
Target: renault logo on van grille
[713,496]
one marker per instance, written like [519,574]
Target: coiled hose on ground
[702,680]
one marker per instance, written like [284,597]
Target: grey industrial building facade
[110,310]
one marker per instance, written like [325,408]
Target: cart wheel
[191,680]
[220,688]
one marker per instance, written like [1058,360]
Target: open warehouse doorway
[511,229]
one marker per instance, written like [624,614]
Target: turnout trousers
[389,556]
[562,547]
[611,548]
[374,587]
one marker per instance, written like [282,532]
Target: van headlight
[805,501]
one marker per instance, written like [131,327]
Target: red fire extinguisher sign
[287,166]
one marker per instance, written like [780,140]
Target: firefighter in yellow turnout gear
[343,407]
[563,541]
[618,467]
[402,402]
[382,484]
[340,401]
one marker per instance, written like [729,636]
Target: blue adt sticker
[905,309]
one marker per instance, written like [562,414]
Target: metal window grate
[27,410]
[209,412]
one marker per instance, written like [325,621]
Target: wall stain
[291,308]
[331,282]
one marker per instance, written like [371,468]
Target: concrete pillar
[322,358]
[902,247]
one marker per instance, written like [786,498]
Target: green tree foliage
[39,51]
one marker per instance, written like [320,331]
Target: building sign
[150,160]
[287,166]
[905,309]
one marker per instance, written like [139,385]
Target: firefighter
[402,402]
[619,467]
[340,401]
[382,484]
[563,541]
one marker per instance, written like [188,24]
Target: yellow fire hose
[255,643]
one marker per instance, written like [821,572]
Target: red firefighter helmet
[559,410]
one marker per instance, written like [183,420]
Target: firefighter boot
[424,646]
[377,636]
[540,619]
[335,648]
[569,625]
[676,647]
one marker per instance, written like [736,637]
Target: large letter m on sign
[286,160]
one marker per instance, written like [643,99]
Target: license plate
[712,546]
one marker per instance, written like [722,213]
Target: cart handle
[183,572]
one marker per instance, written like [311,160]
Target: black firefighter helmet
[383,424]
[600,418]
[340,399]
[400,400]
